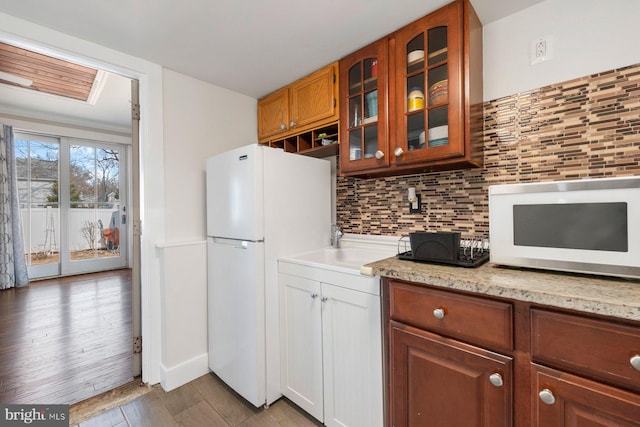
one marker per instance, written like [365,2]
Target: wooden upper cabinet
[273,113]
[434,93]
[363,109]
[430,113]
[314,98]
[307,103]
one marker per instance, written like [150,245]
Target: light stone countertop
[591,294]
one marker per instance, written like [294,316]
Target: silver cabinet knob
[379,155]
[547,396]
[398,151]
[496,379]
[314,295]
[324,299]
[635,362]
[438,313]
[292,123]
[283,126]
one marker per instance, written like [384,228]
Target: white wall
[589,36]
[184,313]
[200,120]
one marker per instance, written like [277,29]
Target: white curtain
[13,267]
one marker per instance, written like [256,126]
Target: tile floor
[206,401]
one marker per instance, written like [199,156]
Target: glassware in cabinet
[429,97]
[364,136]
[429,77]
[426,87]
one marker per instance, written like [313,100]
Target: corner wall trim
[184,372]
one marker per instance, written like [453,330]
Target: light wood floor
[65,340]
[206,401]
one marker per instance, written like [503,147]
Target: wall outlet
[541,49]
[417,206]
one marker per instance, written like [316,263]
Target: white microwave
[584,226]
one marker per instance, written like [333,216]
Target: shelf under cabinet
[309,143]
[322,151]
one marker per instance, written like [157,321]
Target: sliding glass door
[38,168]
[72,195]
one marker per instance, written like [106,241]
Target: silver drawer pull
[496,379]
[547,396]
[438,313]
[635,362]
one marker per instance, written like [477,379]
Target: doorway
[79,175]
[73,197]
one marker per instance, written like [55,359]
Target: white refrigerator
[262,203]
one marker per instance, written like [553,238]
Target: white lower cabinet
[301,343]
[331,350]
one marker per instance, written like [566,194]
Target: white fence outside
[42,233]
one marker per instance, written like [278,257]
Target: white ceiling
[249,46]
[112,110]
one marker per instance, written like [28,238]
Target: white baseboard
[184,372]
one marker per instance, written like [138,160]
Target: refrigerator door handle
[237,244]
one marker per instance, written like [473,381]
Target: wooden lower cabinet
[587,354]
[557,367]
[591,348]
[566,400]
[440,382]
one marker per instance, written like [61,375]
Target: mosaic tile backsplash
[587,127]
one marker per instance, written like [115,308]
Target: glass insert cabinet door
[429,89]
[362,112]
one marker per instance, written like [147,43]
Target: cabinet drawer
[596,348]
[477,320]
